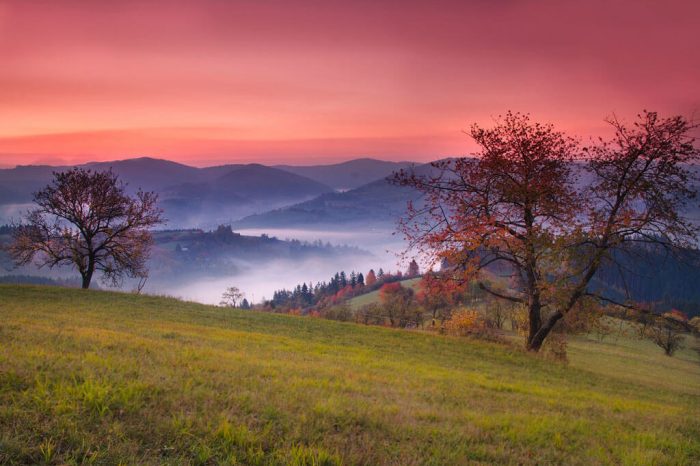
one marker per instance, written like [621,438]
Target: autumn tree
[371,278]
[535,206]
[438,295]
[85,219]
[396,303]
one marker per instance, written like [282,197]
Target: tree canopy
[86,219]
[546,213]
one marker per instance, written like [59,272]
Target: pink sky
[208,82]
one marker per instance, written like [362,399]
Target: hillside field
[113,378]
[373,297]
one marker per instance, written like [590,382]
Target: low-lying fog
[12,213]
[259,280]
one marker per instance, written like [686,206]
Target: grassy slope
[373,297]
[116,377]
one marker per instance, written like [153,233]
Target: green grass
[109,378]
[373,297]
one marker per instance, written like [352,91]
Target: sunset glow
[211,82]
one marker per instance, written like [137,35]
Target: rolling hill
[378,204]
[348,175]
[375,205]
[108,378]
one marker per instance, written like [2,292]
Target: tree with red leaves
[438,295]
[396,303]
[521,207]
[371,278]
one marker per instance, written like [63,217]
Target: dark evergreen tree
[413,269]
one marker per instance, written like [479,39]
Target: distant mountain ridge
[378,204]
[194,196]
[348,175]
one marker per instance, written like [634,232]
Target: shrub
[464,322]
[341,312]
[519,320]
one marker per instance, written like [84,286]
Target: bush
[519,320]
[464,322]
[341,312]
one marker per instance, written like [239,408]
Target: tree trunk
[535,341]
[534,318]
[87,275]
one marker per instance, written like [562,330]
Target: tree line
[340,287]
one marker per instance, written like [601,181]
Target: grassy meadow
[112,378]
[373,297]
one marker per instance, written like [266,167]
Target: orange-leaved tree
[534,205]
[396,303]
[438,295]
[371,278]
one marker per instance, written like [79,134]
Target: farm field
[108,378]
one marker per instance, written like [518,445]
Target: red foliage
[521,208]
[389,289]
[371,278]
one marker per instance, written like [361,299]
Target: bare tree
[231,297]
[666,333]
[85,219]
[498,313]
[521,207]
